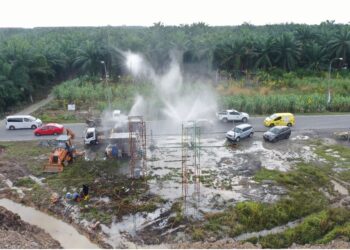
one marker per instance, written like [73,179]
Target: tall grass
[86,94]
[296,103]
[308,95]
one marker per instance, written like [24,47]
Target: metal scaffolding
[137,145]
[185,144]
[191,146]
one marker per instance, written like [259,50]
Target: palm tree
[89,57]
[287,51]
[264,51]
[340,44]
[315,56]
[305,35]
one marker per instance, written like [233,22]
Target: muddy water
[227,170]
[118,232]
[64,233]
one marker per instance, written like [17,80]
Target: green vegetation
[25,182]
[28,153]
[93,213]
[304,103]
[33,60]
[179,217]
[125,196]
[320,227]
[259,99]
[303,198]
[336,156]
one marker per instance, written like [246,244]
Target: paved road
[307,122]
[30,109]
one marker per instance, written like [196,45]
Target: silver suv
[239,132]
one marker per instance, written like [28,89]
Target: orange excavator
[63,154]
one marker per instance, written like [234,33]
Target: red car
[49,129]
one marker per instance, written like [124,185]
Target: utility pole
[329,78]
[107,85]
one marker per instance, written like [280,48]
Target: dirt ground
[15,233]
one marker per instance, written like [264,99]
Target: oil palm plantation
[339,46]
[264,53]
[287,50]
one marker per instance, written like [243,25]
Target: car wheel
[289,124]
[37,134]
[12,127]
[271,125]
[244,119]
[34,127]
[287,136]
[251,135]
[274,140]
[238,139]
[225,120]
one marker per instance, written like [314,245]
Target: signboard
[71,107]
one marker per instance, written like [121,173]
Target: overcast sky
[34,13]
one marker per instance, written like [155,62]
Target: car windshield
[237,130]
[274,130]
[273,116]
[31,118]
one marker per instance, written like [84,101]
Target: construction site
[170,177]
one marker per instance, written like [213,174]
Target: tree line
[32,60]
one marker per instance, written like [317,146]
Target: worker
[85,192]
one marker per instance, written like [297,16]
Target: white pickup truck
[232,115]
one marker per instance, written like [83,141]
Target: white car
[204,124]
[240,132]
[22,121]
[232,115]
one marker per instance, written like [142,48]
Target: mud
[15,233]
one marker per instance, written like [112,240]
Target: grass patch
[179,217]
[332,153]
[321,227]
[93,213]
[28,153]
[81,172]
[25,182]
[304,198]
[344,175]
[302,176]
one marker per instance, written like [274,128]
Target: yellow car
[280,119]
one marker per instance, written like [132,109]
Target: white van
[22,121]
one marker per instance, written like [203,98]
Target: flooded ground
[226,169]
[64,233]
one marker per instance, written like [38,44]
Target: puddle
[118,233]
[226,171]
[64,233]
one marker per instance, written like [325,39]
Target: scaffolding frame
[184,147]
[137,144]
[190,140]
